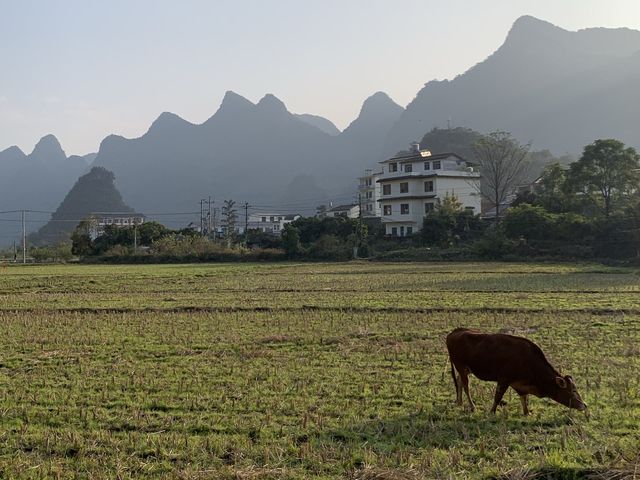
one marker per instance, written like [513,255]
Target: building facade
[101,220]
[268,222]
[369,192]
[351,210]
[412,185]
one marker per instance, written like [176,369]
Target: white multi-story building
[369,191]
[268,222]
[103,219]
[351,210]
[413,184]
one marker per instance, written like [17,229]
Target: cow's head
[567,393]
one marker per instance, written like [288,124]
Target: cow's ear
[562,383]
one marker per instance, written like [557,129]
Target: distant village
[398,194]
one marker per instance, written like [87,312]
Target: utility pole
[24,239]
[209,217]
[135,235]
[359,225]
[215,225]
[202,216]
[246,222]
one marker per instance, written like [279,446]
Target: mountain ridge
[538,68]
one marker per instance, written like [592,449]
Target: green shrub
[529,221]
[493,245]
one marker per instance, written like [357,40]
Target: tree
[149,232]
[291,240]
[529,221]
[607,170]
[503,164]
[229,218]
[449,223]
[81,239]
[551,192]
[321,211]
[457,139]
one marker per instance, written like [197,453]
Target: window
[264,219]
[427,165]
[402,230]
[394,231]
[437,165]
[369,207]
[404,187]
[409,230]
[387,209]
[369,194]
[428,186]
[428,207]
[271,219]
[386,189]
[408,167]
[393,167]
[404,209]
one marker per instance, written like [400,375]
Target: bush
[330,247]
[493,245]
[291,241]
[528,221]
[118,251]
[572,227]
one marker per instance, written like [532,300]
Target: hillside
[93,192]
[37,181]
[259,153]
[558,89]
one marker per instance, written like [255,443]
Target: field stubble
[258,385]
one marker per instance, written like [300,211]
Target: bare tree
[503,163]
[229,218]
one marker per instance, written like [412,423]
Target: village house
[103,219]
[369,192]
[414,183]
[351,210]
[269,222]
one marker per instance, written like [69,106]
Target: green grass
[307,371]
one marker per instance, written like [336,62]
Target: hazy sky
[82,69]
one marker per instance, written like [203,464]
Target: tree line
[589,208]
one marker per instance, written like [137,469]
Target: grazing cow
[512,362]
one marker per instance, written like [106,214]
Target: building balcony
[393,176]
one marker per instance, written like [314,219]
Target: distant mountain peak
[234,101]
[529,21]
[378,113]
[271,103]
[167,120]
[527,29]
[379,100]
[13,152]
[48,148]
[324,124]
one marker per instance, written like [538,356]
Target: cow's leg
[524,399]
[459,390]
[464,379]
[458,385]
[500,389]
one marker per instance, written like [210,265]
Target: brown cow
[512,362]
